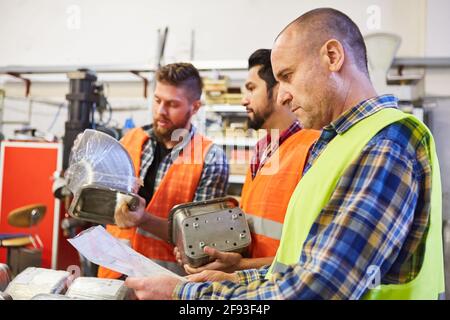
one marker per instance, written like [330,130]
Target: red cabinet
[26,171]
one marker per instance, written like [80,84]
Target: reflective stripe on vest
[317,185]
[265,227]
[265,197]
[147,234]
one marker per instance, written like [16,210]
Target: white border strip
[57,212]
[2,165]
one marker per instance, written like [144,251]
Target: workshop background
[42,42]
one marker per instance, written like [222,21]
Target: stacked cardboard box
[215,90]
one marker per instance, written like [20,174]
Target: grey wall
[124,31]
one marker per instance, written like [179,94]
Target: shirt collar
[361,111]
[265,141]
[293,128]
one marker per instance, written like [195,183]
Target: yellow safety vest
[316,187]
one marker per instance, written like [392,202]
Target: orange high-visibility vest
[178,186]
[265,198]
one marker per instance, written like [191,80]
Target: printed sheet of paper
[100,247]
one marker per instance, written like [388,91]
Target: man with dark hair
[259,63]
[176,164]
[275,170]
[365,220]
[182,75]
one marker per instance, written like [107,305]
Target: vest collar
[361,111]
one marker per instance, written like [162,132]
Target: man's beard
[256,123]
[165,134]
[260,118]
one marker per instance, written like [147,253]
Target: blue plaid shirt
[214,179]
[377,217]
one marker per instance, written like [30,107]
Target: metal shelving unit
[422,62]
[231,142]
[238,141]
[236,178]
[143,72]
[225,108]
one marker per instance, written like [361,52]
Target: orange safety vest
[178,186]
[265,198]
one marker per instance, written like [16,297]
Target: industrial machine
[102,180]
[85,98]
[218,223]
[406,85]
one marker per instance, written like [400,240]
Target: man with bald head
[365,220]
[325,52]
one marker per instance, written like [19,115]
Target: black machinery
[86,97]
